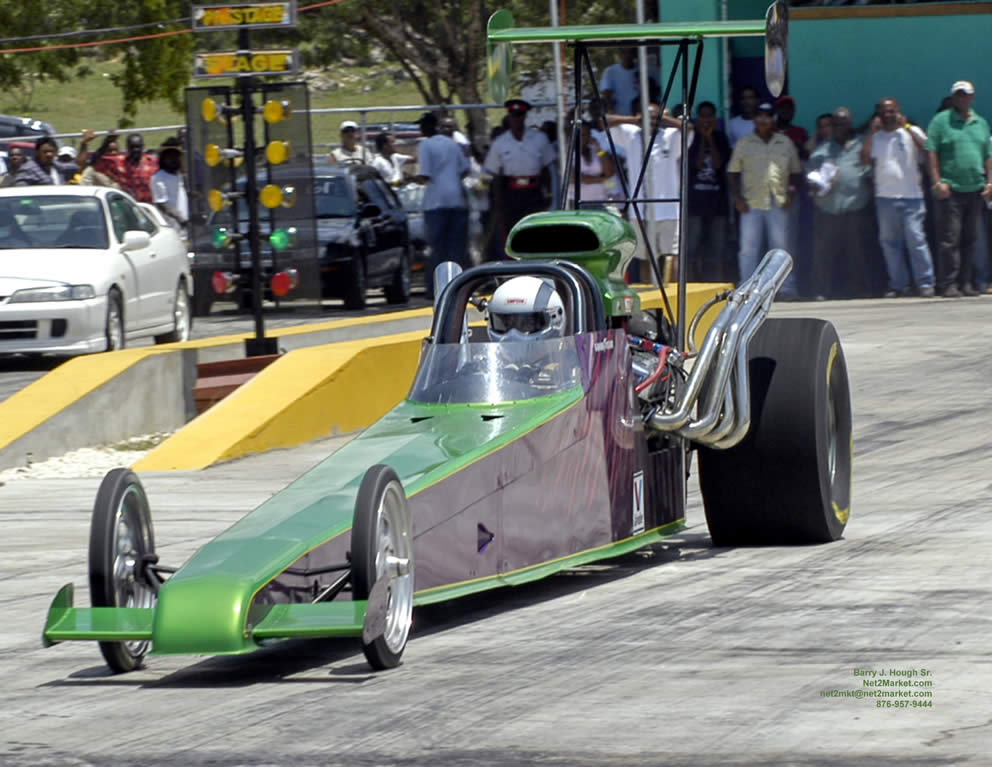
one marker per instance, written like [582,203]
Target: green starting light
[221,237]
[280,239]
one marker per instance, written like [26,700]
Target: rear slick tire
[121,542]
[382,547]
[789,480]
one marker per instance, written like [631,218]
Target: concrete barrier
[304,395]
[100,399]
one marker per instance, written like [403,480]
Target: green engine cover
[599,241]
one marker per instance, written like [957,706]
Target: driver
[526,308]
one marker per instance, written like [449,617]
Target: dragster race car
[506,463]
[509,460]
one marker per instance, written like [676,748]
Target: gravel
[87,461]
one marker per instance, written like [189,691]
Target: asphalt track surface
[685,654]
[17,371]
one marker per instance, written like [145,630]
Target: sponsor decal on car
[638,518]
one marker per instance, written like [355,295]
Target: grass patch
[93,102]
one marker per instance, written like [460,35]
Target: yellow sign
[245,63]
[244,15]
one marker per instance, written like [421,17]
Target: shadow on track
[281,660]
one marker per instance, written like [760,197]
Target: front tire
[182,317]
[398,292]
[354,295]
[121,542]
[382,547]
[114,326]
[789,479]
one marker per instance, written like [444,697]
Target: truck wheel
[382,550]
[398,291]
[121,540]
[357,287]
[789,479]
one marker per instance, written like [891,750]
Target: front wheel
[121,544]
[357,287]
[114,326]
[789,479]
[382,550]
[398,291]
[182,316]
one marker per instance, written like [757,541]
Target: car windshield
[332,197]
[52,222]
[496,372]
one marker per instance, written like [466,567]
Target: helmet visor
[525,322]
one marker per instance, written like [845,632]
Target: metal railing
[361,111]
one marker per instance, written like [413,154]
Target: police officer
[519,161]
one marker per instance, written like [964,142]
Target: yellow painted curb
[316,391]
[304,395]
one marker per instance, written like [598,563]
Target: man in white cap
[349,151]
[961,169]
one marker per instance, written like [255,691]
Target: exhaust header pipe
[724,414]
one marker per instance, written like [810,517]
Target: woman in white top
[596,168]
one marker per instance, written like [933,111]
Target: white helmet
[526,308]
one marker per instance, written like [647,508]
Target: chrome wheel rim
[129,589]
[115,333]
[181,314]
[394,562]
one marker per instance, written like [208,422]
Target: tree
[154,68]
[441,43]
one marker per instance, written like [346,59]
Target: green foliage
[154,69]
[439,44]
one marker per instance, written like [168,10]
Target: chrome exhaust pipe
[725,415]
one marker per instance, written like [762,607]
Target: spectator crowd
[876,205]
[148,177]
[884,206]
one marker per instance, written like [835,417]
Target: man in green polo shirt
[961,167]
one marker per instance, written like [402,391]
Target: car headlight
[54,293]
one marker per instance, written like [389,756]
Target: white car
[87,269]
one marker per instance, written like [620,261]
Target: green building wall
[853,57]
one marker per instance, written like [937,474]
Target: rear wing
[501,30]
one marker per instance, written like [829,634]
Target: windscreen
[332,197]
[52,222]
[496,372]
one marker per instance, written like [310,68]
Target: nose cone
[203,615]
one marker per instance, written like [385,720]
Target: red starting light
[283,282]
[223,282]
